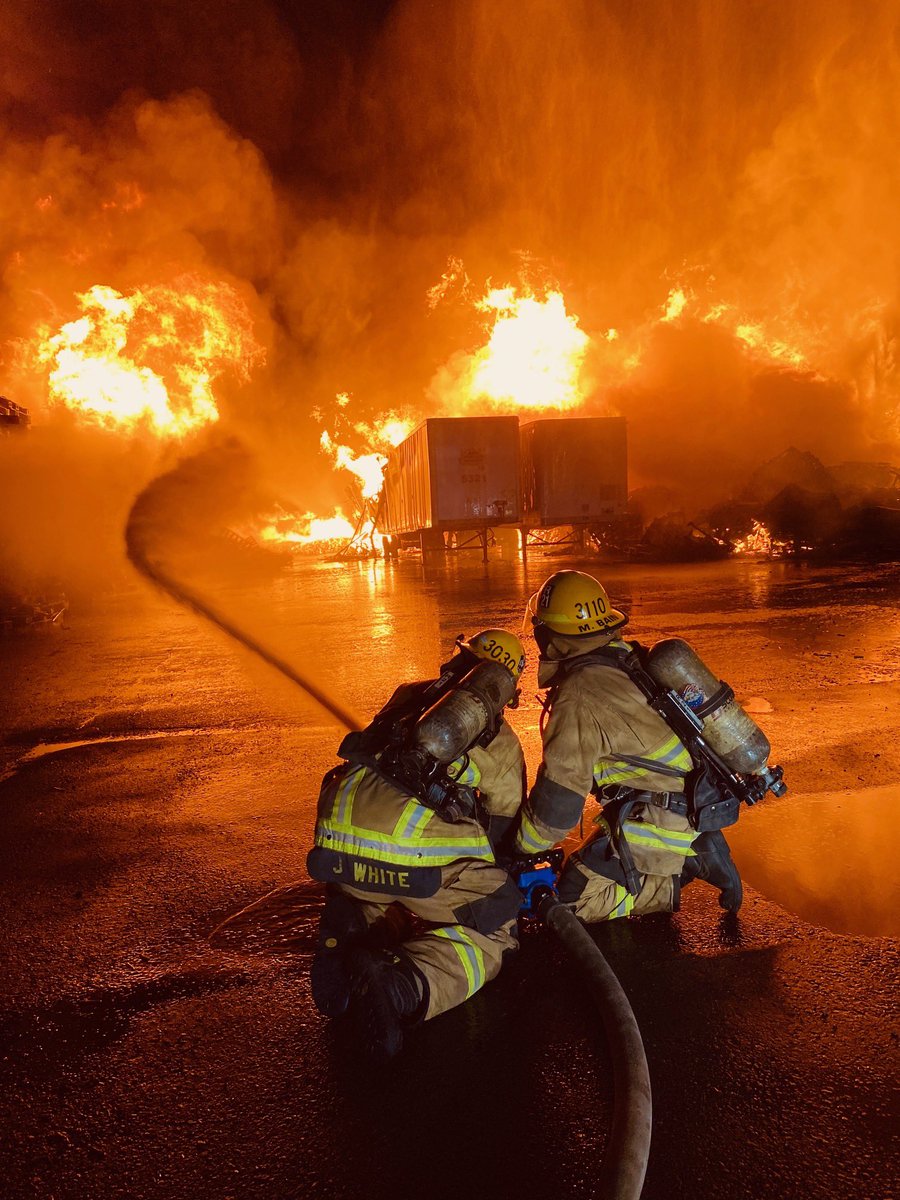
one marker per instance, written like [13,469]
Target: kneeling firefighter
[408,827]
[660,742]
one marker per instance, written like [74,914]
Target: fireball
[149,359]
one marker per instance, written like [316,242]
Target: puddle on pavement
[829,857]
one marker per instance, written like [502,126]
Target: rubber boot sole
[341,927]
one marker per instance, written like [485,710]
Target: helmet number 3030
[495,651]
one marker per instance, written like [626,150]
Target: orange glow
[759,541]
[149,359]
[534,354]
[306,530]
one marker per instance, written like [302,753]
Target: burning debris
[174,266]
[758,541]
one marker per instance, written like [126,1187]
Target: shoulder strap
[627,658]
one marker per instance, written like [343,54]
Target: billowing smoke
[326,164]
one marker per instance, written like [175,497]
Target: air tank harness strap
[723,693]
[616,813]
[675,802]
[651,764]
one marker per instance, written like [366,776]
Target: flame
[368,468]
[534,354]
[306,530]
[150,358]
[675,304]
[756,336]
[385,431]
[759,541]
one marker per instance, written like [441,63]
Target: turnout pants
[593,881]
[455,958]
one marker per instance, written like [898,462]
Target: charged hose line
[625,1162]
[185,595]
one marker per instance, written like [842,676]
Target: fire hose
[141,533]
[624,1166]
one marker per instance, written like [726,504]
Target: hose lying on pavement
[625,1163]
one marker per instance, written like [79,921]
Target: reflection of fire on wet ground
[829,857]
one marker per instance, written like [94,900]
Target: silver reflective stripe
[345,795]
[418,818]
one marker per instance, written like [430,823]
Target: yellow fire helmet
[574,604]
[498,645]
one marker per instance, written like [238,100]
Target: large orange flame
[149,359]
[534,354]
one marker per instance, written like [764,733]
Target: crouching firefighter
[660,742]
[408,827]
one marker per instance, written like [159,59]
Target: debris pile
[791,505]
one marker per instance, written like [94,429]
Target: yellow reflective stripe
[618,772]
[528,837]
[642,833]
[469,954]
[624,903]
[412,820]
[673,754]
[343,800]
[473,839]
[670,754]
[370,843]
[470,776]
[406,842]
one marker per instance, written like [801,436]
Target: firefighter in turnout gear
[418,914]
[602,736]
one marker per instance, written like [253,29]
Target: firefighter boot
[341,926]
[713,862]
[387,994]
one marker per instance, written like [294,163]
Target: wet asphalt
[142,1055]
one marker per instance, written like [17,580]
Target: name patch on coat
[371,875]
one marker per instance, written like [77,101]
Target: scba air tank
[459,719]
[737,739]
